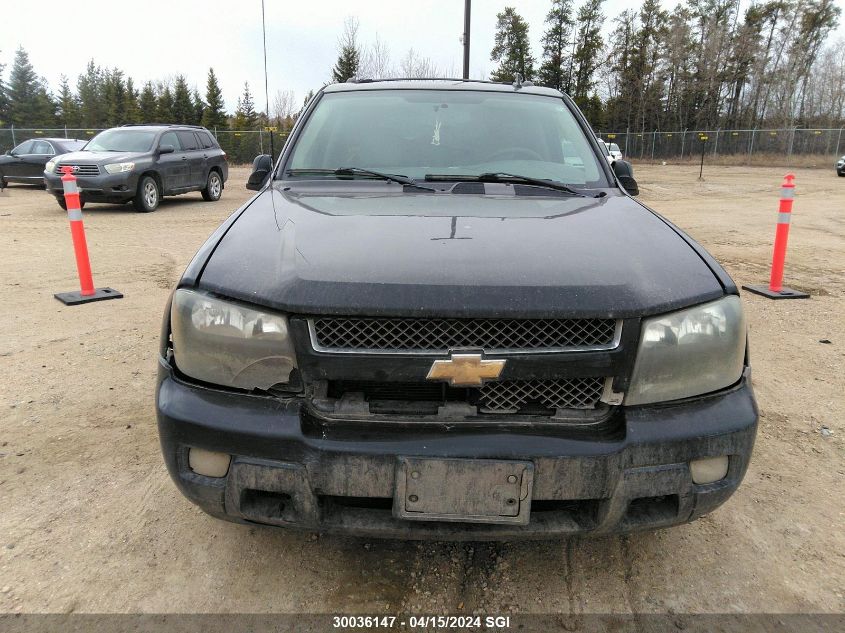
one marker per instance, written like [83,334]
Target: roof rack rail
[198,127]
[368,80]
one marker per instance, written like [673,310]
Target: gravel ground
[92,523]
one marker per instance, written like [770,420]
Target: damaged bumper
[287,471]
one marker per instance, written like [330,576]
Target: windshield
[446,133]
[121,140]
[614,147]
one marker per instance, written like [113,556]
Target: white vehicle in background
[606,152]
[614,151]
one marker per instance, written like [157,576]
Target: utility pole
[467,4]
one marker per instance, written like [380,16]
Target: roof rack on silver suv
[196,127]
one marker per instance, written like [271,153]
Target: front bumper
[284,473]
[102,188]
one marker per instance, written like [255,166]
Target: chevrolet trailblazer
[443,315]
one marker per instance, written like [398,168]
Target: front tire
[841,174]
[213,187]
[148,195]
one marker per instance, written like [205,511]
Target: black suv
[443,315]
[142,163]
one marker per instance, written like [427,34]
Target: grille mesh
[508,396]
[514,395]
[441,335]
[82,170]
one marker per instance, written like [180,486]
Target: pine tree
[148,104]
[198,107]
[556,40]
[588,49]
[114,97]
[24,86]
[4,99]
[164,107]
[349,55]
[246,146]
[45,105]
[68,105]
[89,88]
[512,47]
[183,107]
[214,113]
[245,115]
[133,112]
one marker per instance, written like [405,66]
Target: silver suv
[142,163]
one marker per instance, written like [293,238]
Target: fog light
[709,469]
[208,463]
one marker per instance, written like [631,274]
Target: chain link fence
[241,146]
[742,146]
[763,146]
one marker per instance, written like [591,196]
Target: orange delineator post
[775,290]
[782,234]
[87,291]
[77,232]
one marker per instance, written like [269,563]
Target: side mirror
[625,174]
[166,149]
[261,168]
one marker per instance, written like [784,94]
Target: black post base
[785,293]
[76,298]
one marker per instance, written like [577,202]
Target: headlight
[228,344]
[116,168]
[50,166]
[689,352]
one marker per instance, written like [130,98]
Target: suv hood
[97,157]
[383,252]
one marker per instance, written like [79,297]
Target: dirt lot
[91,522]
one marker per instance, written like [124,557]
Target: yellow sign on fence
[271,128]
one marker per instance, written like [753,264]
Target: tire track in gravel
[479,577]
[630,592]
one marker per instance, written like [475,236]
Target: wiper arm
[353,171]
[500,176]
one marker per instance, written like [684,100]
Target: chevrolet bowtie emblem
[465,370]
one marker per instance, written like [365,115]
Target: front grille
[539,397]
[438,335]
[512,396]
[81,170]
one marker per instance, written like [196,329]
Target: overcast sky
[160,38]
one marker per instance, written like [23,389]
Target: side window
[188,140]
[43,147]
[207,141]
[24,148]
[170,138]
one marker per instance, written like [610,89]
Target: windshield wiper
[359,171]
[501,176]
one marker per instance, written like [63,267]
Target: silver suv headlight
[228,344]
[689,352]
[116,168]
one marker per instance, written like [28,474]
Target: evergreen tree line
[106,97]
[701,65]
